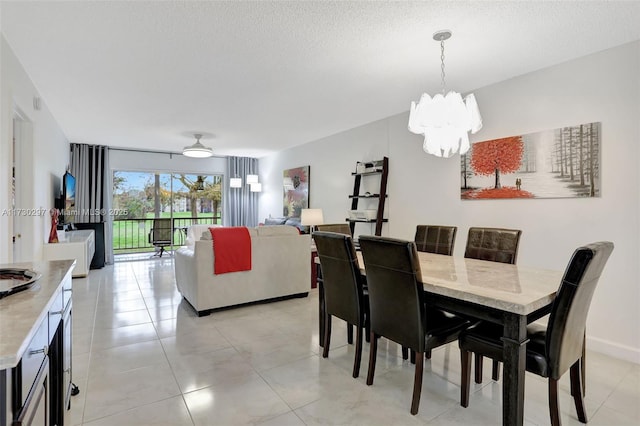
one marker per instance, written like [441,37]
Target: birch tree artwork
[559,163]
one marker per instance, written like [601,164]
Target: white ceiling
[259,77]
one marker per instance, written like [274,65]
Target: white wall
[45,155]
[164,162]
[423,189]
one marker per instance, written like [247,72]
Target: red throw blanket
[232,249]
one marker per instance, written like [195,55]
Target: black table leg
[321,316]
[514,346]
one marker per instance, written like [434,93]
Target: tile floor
[142,357]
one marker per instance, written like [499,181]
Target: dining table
[510,295]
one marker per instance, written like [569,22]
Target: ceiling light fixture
[197,150]
[445,119]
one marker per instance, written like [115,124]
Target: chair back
[566,327]
[396,301]
[162,232]
[340,276]
[340,228]
[435,239]
[493,244]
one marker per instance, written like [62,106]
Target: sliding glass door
[156,209]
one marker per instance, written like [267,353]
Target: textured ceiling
[258,77]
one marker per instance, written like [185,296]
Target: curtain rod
[155,152]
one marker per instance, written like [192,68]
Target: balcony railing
[132,235]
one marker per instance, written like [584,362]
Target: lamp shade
[235,182]
[252,179]
[311,217]
[256,187]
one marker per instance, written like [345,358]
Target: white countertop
[23,312]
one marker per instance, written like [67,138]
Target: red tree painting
[497,156]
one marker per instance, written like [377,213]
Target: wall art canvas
[558,163]
[296,191]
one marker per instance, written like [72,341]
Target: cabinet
[35,355]
[78,245]
[379,169]
[99,256]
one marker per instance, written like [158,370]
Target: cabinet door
[35,411]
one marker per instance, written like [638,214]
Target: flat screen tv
[69,198]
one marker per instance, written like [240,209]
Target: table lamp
[311,217]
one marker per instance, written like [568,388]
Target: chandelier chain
[442,65]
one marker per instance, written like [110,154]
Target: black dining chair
[340,228]
[435,239]
[495,245]
[556,348]
[399,307]
[344,295]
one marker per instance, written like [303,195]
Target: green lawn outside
[132,235]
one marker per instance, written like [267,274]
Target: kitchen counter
[21,313]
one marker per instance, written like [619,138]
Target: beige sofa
[281,268]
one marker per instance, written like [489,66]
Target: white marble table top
[510,288]
[23,312]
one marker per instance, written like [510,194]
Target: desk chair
[161,234]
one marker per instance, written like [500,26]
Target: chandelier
[445,120]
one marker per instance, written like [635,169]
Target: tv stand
[78,245]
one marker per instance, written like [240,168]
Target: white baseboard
[614,350]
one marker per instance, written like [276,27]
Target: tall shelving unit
[374,168]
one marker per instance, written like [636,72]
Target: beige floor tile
[114,393]
[248,401]
[143,356]
[168,412]
[211,369]
[112,337]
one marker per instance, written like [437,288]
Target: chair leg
[350,334]
[478,368]
[554,411]
[583,364]
[412,356]
[427,354]
[465,362]
[358,356]
[373,349]
[405,353]
[327,335]
[495,372]
[417,382]
[576,391]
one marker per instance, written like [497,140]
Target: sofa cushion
[194,233]
[276,230]
[206,235]
[275,220]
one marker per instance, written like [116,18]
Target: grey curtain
[89,164]
[240,204]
